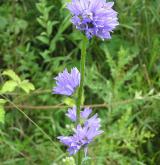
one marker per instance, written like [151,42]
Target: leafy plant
[10,86]
[15,81]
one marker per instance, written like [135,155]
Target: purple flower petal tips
[94,17]
[72,114]
[67,82]
[85,114]
[71,142]
[94,121]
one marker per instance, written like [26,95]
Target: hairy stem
[80,91]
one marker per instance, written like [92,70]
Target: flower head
[94,121]
[94,17]
[71,113]
[84,133]
[81,138]
[67,82]
[86,112]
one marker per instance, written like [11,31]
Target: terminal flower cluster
[93,17]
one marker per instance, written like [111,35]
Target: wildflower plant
[93,18]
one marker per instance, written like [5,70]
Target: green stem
[80,91]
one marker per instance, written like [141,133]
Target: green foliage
[12,75]
[44,21]
[37,41]
[2,112]
[68,161]
[10,86]
[125,136]
[47,24]
[69,101]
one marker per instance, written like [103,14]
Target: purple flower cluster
[94,17]
[84,133]
[89,127]
[67,82]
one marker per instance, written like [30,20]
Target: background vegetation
[37,41]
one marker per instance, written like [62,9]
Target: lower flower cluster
[88,127]
[84,133]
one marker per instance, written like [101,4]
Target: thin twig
[103,105]
[38,91]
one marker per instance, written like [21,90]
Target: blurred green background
[37,41]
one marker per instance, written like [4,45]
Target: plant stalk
[80,90]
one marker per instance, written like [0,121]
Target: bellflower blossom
[83,134]
[72,113]
[67,82]
[94,17]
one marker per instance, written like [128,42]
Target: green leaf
[3,22]
[9,86]
[46,56]
[26,86]
[43,39]
[49,28]
[64,25]
[53,44]
[48,9]
[40,7]
[2,101]
[41,22]
[2,114]
[69,101]
[10,73]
